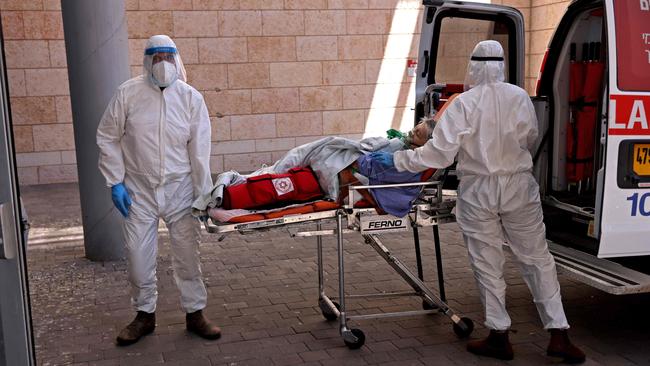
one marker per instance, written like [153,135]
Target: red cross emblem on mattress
[283,185]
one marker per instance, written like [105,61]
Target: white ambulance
[593,104]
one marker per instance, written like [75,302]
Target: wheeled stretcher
[430,209]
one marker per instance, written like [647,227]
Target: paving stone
[314,355]
[378,358]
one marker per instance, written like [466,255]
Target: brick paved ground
[263,290]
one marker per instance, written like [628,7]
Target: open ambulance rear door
[450,30]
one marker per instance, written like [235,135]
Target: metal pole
[418,255]
[319,247]
[343,327]
[441,279]
[96,45]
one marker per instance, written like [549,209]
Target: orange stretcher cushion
[247,218]
[325,205]
[290,211]
[277,213]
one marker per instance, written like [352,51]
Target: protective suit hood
[486,65]
[162,44]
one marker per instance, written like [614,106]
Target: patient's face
[419,134]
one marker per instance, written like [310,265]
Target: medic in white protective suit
[492,127]
[154,142]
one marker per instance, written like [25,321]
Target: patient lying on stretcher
[365,170]
[336,163]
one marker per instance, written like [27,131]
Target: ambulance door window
[458,36]
[633,44]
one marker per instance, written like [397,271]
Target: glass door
[16,338]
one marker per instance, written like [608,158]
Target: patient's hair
[431,124]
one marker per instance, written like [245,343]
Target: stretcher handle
[210,227]
[414,184]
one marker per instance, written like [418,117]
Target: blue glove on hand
[384,158]
[121,198]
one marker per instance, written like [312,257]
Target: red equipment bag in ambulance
[273,190]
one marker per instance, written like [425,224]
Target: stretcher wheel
[464,327]
[327,312]
[361,339]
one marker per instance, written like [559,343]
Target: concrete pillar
[97,50]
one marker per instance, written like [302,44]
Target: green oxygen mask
[393,133]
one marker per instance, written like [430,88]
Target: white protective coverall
[158,143]
[492,126]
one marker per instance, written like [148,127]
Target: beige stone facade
[274,73]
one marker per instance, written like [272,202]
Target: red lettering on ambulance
[628,116]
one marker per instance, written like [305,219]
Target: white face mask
[164,73]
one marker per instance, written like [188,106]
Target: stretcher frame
[430,209]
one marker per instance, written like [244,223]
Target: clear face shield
[162,63]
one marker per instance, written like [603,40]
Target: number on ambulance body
[639,204]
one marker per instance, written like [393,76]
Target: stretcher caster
[326,311]
[464,327]
[354,338]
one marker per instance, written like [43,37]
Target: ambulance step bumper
[600,273]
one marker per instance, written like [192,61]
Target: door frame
[15,309]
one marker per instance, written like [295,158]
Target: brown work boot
[561,346]
[201,326]
[143,324]
[496,345]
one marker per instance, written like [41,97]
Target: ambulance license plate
[641,164]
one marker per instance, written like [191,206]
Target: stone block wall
[38,88]
[544,17]
[274,73]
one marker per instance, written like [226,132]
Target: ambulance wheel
[361,339]
[327,312]
[464,327]
[427,306]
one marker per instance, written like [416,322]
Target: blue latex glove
[384,158]
[121,198]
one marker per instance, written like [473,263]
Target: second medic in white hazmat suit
[154,141]
[492,127]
